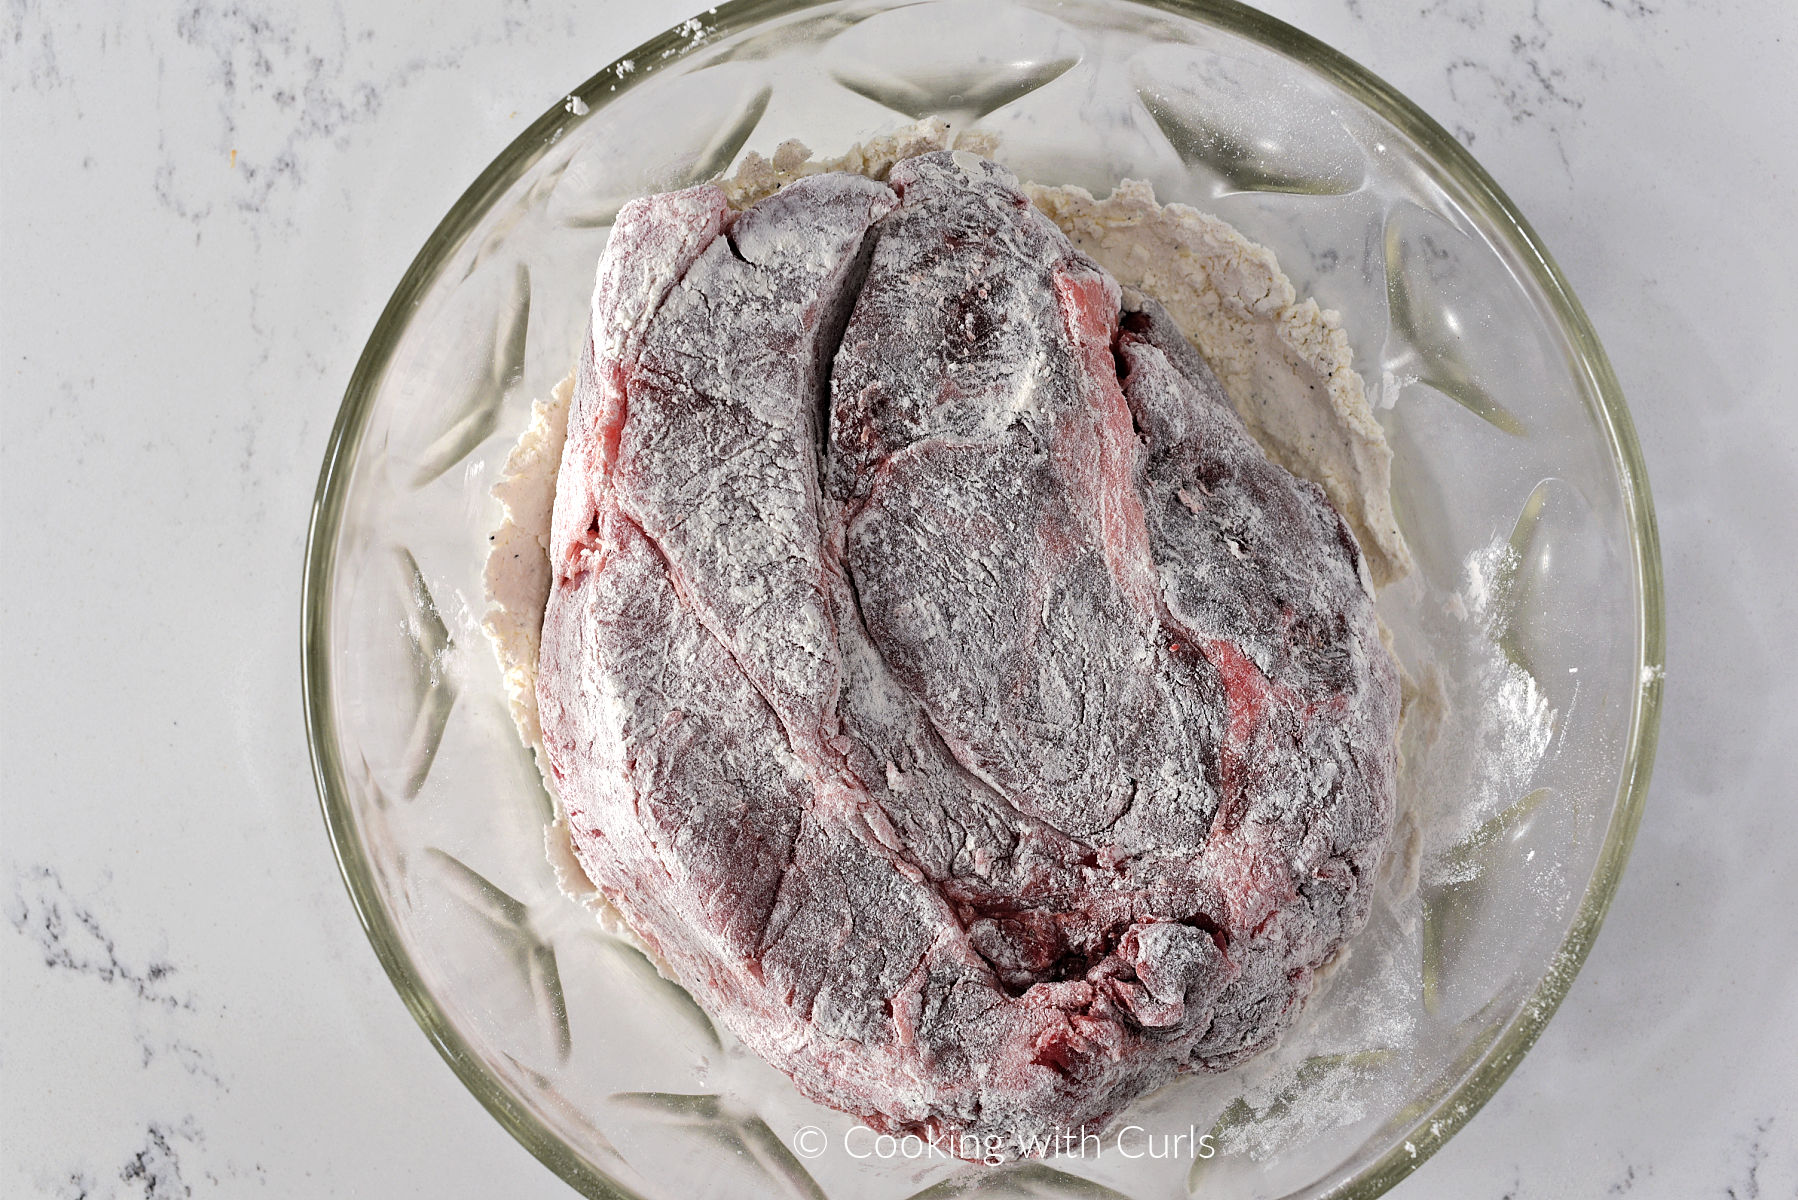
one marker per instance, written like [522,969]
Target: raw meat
[935,674]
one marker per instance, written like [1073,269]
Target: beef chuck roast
[935,673]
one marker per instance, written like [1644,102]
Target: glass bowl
[1531,627]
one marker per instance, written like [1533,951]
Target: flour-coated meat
[935,673]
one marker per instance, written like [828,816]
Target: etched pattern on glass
[491,362]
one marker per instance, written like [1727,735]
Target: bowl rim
[1432,1128]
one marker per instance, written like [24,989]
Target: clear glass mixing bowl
[1532,625]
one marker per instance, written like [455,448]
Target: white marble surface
[203,207]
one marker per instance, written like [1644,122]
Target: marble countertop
[204,206]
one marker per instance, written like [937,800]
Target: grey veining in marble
[203,207]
